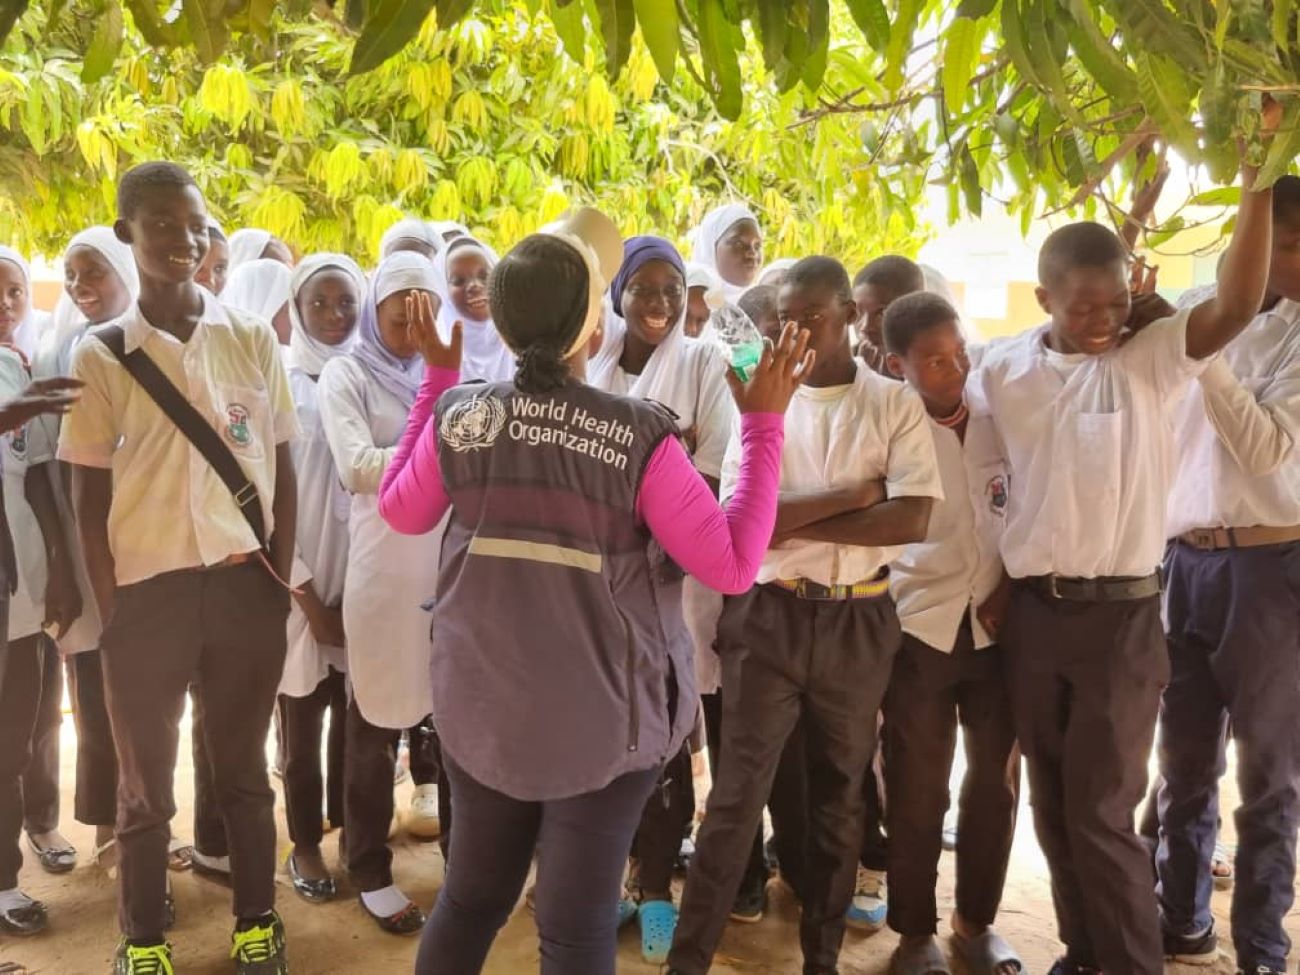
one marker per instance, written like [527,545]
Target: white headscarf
[247,245]
[259,287]
[28,332]
[441,227]
[68,320]
[484,354]
[403,271]
[410,229]
[305,352]
[780,264]
[712,229]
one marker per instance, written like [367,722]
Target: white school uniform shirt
[389,575]
[1088,442]
[697,391]
[1236,431]
[54,358]
[25,447]
[230,371]
[322,541]
[937,582]
[841,437]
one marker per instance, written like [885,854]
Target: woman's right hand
[422,316]
[778,374]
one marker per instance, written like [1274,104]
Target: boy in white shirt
[948,666]
[1233,616]
[1082,419]
[182,581]
[816,638]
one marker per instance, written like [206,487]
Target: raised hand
[422,316]
[44,396]
[778,374]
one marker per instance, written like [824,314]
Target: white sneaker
[869,907]
[422,820]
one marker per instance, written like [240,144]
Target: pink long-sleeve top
[722,548]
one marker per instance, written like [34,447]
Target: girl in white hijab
[326,291]
[21,324]
[251,244]
[730,241]
[261,288]
[461,271]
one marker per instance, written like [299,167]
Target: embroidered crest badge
[996,492]
[238,431]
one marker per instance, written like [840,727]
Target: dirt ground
[336,939]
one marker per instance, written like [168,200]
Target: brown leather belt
[1105,589]
[1213,539]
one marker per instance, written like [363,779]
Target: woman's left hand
[422,316]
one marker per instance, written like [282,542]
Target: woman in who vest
[572,504]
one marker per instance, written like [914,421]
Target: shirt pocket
[1093,462]
[243,418]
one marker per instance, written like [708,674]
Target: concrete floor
[336,939]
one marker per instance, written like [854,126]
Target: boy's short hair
[911,315]
[892,273]
[759,302]
[1076,245]
[140,181]
[821,272]
[1286,200]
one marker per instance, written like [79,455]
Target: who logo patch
[473,424]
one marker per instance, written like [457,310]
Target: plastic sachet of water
[739,338]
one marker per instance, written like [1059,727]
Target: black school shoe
[1201,949]
[750,904]
[1067,966]
[26,920]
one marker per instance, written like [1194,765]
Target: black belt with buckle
[1103,589]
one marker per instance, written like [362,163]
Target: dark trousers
[1234,646]
[875,846]
[223,632]
[664,821]
[41,777]
[581,844]
[1085,681]
[302,721]
[20,696]
[209,824]
[784,658]
[368,800]
[96,793]
[929,694]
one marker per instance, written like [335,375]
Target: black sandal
[53,859]
[408,920]
[313,891]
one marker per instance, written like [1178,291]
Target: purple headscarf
[637,252]
[400,271]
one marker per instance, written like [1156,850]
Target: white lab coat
[322,541]
[389,575]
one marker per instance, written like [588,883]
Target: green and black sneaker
[260,950]
[143,959]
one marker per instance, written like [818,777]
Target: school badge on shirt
[18,443]
[996,492]
[238,431]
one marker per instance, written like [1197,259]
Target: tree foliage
[488,122]
[830,116]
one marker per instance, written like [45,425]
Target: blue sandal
[658,924]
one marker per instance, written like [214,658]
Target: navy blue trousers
[1234,646]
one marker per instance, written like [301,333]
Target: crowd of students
[470,502]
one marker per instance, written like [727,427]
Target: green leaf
[819,38]
[659,30]
[207,26]
[354,13]
[259,17]
[1223,196]
[150,23]
[451,12]
[1149,27]
[1284,149]
[1099,56]
[104,45]
[873,20]
[571,28]
[1282,23]
[1013,35]
[390,24]
[1047,68]
[774,30]
[975,9]
[970,182]
[617,21]
[961,51]
[1167,98]
[900,42]
[10,11]
[719,46]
